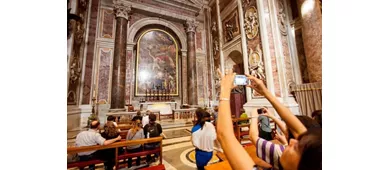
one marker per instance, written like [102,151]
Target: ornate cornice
[191,25]
[121,10]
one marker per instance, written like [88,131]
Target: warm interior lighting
[307,7]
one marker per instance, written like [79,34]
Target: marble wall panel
[107,24]
[201,80]
[287,60]
[301,56]
[199,41]
[184,79]
[129,76]
[282,21]
[104,74]
[271,48]
[90,53]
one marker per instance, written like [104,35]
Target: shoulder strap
[133,135]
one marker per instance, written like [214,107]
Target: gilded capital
[191,25]
[121,10]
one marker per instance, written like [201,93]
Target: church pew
[116,145]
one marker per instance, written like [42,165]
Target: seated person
[135,133]
[138,116]
[243,115]
[91,138]
[108,155]
[112,119]
[152,129]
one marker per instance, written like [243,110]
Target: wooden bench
[116,145]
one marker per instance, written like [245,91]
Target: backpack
[153,131]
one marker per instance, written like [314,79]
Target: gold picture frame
[142,75]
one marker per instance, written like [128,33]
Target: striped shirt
[269,152]
[203,139]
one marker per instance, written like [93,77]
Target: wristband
[223,99]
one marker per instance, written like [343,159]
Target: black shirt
[159,128]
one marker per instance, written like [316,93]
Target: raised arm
[253,130]
[291,120]
[107,142]
[278,122]
[237,156]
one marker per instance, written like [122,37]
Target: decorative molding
[183,5]
[251,23]
[245,2]
[256,63]
[281,18]
[234,46]
[228,9]
[231,43]
[152,10]
[121,10]
[191,25]
[134,28]
[231,26]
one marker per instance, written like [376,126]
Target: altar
[165,108]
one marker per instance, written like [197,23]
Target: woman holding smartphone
[302,153]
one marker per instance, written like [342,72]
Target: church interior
[128,58]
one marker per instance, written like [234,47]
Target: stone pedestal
[73,117]
[191,63]
[119,63]
[312,37]
[258,103]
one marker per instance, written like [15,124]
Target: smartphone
[240,80]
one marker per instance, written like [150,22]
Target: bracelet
[224,99]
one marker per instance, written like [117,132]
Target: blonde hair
[136,126]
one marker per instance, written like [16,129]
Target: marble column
[119,63]
[220,39]
[191,63]
[312,37]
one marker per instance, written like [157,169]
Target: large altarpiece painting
[157,63]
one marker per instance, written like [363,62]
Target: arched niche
[157,61]
[140,24]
